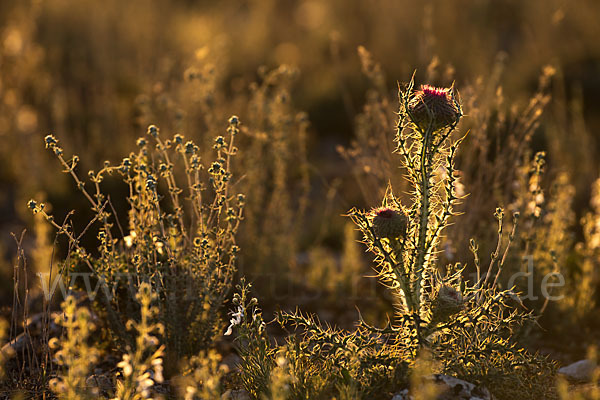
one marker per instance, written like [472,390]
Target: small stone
[579,371]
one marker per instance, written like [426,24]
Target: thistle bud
[448,302]
[390,223]
[435,107]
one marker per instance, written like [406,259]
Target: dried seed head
[389,222]
[448,302]
[435,107]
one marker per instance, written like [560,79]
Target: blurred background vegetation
[314,84]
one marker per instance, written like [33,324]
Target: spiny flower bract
[389,222]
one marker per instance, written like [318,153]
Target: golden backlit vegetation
[299,200]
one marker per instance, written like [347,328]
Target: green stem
[424,216]
[397,268]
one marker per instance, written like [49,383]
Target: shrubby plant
[73,354]
[77,355]
[202,377]
[276,177]
[179,239]
[253,342]
[141,367]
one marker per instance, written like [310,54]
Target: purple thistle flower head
[432,107]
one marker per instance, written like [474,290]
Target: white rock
[579,371]
[451,389]
[455,388]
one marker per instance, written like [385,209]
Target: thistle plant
[467,326]
[404,239]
